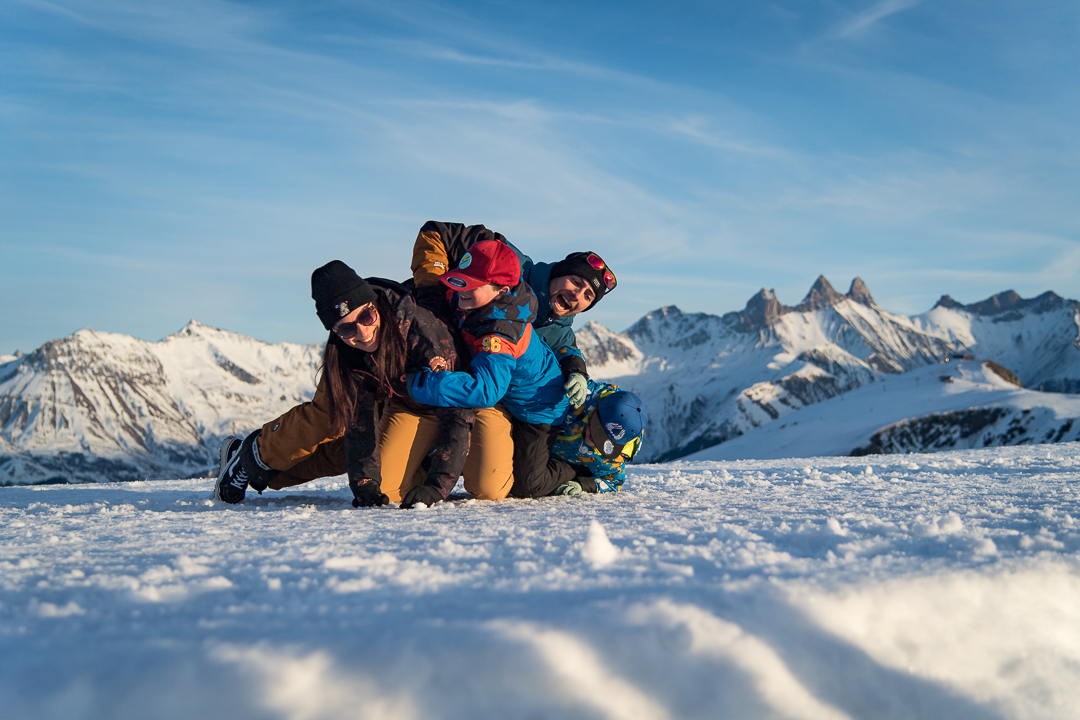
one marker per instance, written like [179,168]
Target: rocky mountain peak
[196,329]
[947,302]
[822,295]
[860,293]
[644,329]
[601,346]
[761,311]
[1002,302]
[1005,302]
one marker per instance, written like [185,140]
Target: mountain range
[102,406]
[707,379]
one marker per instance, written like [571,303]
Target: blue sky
[161,161]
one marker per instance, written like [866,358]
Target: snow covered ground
[839,425]
[909,586]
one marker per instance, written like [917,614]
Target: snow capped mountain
[96,406]
[708,379]
[1038,339]
[965,404]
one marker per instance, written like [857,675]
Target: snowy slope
[708,379]
[937,587]
[103,406]
[962,404]
[1038,339]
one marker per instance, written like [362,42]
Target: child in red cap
[494,309]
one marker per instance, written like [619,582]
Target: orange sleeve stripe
[499,344]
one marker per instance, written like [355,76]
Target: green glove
[577,389]
[572,487]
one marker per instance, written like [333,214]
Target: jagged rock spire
[821,295]
[860,293]
[761,311]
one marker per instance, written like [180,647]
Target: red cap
[488,262]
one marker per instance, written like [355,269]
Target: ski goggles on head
[598,262]
[367,317]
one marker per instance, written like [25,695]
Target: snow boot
[239,466]
[232,481]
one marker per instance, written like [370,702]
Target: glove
[573,487]
[577,389]
[367,493]
[421,494]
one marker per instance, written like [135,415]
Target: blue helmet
[617,420]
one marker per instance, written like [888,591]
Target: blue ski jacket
[439,248]
[508,364]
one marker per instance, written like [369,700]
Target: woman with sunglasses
[377,335]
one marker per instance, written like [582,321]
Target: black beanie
[578,264]
[337,290]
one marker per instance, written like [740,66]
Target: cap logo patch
[456,282]
[465,261]
[343,309]
[596,283]
[615,430]
[609,447]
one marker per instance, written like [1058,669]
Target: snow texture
[936,586]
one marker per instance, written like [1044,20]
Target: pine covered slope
[103,406]
[708,379]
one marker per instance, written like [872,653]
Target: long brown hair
[342,366]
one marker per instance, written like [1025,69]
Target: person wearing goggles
[591,447]
[377,334]
[563,289]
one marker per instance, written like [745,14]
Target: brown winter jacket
[429,344]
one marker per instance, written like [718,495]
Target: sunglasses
[598,262]
[367,317]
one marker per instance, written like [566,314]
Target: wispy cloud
[694,128]
[268,139]
[863,21]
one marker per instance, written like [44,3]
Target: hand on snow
[577,389]
[572,487]
[421,494]
[367,493]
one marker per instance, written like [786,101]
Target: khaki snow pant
[406,437]
[298,445]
